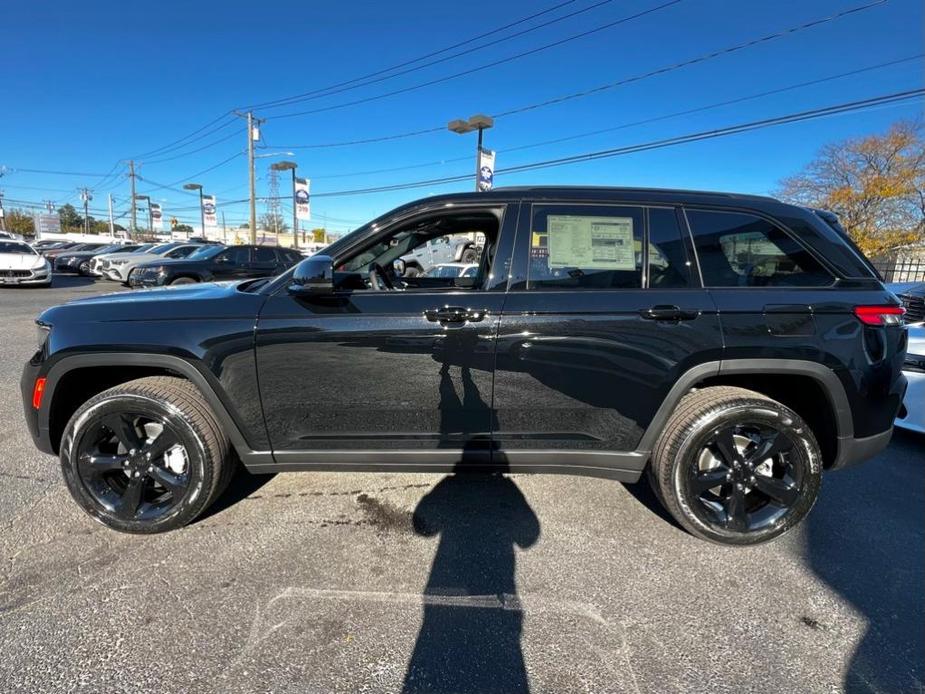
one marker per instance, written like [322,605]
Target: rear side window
[586,247]
[237,256]
[741,250]
[264,255]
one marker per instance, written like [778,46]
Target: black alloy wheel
[146,456]
[746,477]
[134,466]
[735,467]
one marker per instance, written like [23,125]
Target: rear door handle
[668,313]
[454,314]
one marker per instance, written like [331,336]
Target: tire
[83,269]
[183,280]
[412,271]
[470,256]
[134,493]
[761,456]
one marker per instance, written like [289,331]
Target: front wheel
[83,269]
[146,456]
[183,280]
[736,467]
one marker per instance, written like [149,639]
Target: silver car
[119,267]
[98,262]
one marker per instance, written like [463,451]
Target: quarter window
[742,250]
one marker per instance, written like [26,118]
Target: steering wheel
[379,279]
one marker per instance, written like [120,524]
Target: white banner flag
[303,201]
[486,170]
[156,216]
[208,212]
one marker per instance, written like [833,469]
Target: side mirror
[314,275]
[399,266]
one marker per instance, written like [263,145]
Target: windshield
[141,249]
[163,248]
[205,252]
[12,247]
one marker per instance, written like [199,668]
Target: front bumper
[25,277]
[912,414]
[136,280]
[66,266]
[41,437]
[116,273]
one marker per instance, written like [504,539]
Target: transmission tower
[273,208]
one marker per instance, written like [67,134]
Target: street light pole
[478,122]
[202,212]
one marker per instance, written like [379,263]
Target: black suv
[731,347]
[216,262]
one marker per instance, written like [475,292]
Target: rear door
[604,312]
[264,262]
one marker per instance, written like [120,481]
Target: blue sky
[85,85]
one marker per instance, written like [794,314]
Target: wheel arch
[823,405]
[76,378]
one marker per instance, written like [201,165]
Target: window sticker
[602,243]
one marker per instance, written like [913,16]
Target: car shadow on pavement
[864,539]
[242,485]
[470,637]
[73,281]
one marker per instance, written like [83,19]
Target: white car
[448,270]
[912,414]
[21,264]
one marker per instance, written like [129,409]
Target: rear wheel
[146,456]
[183,280]
[84,268]
[470,256]
[736,467]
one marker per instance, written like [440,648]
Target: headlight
[118,262]
[42,330]
[153,270]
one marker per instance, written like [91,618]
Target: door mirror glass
[313,275]
[399,266]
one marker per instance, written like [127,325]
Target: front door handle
[668,313]
[454,314]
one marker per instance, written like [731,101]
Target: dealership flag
[486,169]
[156,216]
[303,201]
[208,212]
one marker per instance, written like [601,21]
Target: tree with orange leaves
[875,184]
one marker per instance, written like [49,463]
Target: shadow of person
[470,636]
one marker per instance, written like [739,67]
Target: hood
[20,261]
[207,301]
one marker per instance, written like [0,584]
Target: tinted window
[586,247]
[264,255]
[741,250]
[181,252]
[669,266]
[236,256]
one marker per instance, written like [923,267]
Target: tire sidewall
[759,412]
[90,414]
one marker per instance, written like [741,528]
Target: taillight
[38,390]
[880,315]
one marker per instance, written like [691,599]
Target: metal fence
[902,270]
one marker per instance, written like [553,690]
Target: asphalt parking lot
[375,582]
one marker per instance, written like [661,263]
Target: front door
[387,367]
[604,313]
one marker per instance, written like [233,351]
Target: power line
[636,123]
[611,85]
[380,77]
[193,151]
[182,139]
[837,109]
[494,63]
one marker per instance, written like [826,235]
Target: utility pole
[224,230]
[112,223]
[131,176]
[86,197]
[2,214]
[252,125]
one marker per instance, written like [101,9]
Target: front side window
[235,256]
[586,247]
[742,250]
